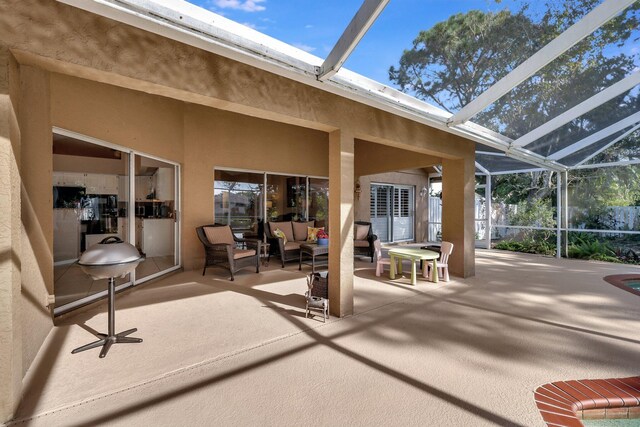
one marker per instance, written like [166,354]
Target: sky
[316,26]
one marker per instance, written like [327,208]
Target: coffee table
[414,255]
[313,250]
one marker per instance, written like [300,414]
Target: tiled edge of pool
[561,403]
[618,280]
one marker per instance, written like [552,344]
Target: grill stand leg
[107,340]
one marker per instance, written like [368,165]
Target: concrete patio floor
[464,352]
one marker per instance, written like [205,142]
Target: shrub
[530,246]
[591,248]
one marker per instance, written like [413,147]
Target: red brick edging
[618,280]
[559,402]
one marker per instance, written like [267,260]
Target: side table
[313,250]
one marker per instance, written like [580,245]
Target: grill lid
[110,251]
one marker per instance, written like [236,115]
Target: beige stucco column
[458,222]
[10,236]
[341,155]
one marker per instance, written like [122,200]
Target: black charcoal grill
[109,259]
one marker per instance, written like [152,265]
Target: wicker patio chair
[317,295]
[289,251]
[363,244]
[223,249]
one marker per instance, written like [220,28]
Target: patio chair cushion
[219,235]
[280,234]
[243,253]
[312,234]
[361,232]
[289,246]
[284,226]
[361,243]
[300,230]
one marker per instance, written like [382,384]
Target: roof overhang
[194,26]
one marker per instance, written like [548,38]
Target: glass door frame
[177,256]
[391,208]
[264,184]
[130,217]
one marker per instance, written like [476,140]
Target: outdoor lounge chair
[363,239]
[223,249]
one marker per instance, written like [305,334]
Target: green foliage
[456,60]
[529,245]
[590,247]
[536,213]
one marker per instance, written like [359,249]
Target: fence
[617,218]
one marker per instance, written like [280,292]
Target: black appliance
[67,197]
[100,213]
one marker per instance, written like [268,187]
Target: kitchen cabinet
[94,183]
[143,187]
[68,179]
[101,183]
[66,235]
[123,188]
[123,230]
[157,236]
[164,183]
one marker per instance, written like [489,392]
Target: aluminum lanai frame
[203,29]
[190,24]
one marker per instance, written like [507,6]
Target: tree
[458,59]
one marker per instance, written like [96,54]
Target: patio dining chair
[380,260]
[224,249]
[443,268]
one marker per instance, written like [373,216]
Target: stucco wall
[37,219]
[134,58]
[199,138]
[52,41]
[415,177]
[215,138]
[11,366]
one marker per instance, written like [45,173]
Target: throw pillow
[312,234]
[280,234]
[300,230]
[361,232]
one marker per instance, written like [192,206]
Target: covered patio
[465,352]
[164,113]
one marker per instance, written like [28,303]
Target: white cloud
[250,25]
[308,26]
[304,47]
[244,5]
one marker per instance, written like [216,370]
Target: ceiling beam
[578,31]
[615,141]
[598,136]
[584,107]
[357,28]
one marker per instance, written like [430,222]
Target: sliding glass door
[247,199]
[393,212]
[95,197]
[155,189]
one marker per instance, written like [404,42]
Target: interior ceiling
[68,146]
